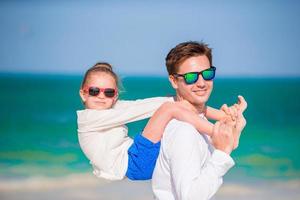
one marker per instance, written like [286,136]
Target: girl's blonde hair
[100,67]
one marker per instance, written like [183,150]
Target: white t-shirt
[103,136]
[188,167]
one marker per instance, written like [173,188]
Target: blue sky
[249,38]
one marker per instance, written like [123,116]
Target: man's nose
[200,82]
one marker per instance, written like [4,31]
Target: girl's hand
[230,112]
[236,109]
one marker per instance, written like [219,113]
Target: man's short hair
[186,50]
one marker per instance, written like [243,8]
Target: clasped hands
[227,131]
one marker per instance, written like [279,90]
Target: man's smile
[200,92]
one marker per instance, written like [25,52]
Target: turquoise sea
[38,124]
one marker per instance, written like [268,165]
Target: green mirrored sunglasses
[192,77]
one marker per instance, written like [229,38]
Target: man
[191,165]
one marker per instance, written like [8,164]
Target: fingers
[229,125]
[226,125]
[222,137]
[241,122]
[240,125]
[216,127]
[231,111]
[242,103]
[225,108]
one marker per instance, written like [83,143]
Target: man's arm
[195,174]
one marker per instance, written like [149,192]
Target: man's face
[198,92]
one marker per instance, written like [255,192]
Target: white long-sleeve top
[103,137]
[188,167]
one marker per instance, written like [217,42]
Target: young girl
[103,135]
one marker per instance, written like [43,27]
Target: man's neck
[199,108]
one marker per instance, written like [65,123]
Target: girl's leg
[168,111]
[144,151]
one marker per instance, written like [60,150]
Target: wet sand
[88,187]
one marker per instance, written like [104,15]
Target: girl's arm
[168,111]
[214,114]
[123,112]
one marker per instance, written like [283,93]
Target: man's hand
[240,125]
[223,137]
[235,112]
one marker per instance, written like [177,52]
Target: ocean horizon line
[122,76]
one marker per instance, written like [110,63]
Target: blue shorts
[142,156]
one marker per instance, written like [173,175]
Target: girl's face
[101,101]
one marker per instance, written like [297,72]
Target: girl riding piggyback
[103,136]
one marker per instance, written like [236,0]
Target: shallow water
[38,124]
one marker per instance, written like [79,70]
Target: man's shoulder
[180,130]
[183,135]
[176,124]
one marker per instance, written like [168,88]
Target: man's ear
[173,82]
[82,96]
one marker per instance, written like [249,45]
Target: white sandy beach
[88,187]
